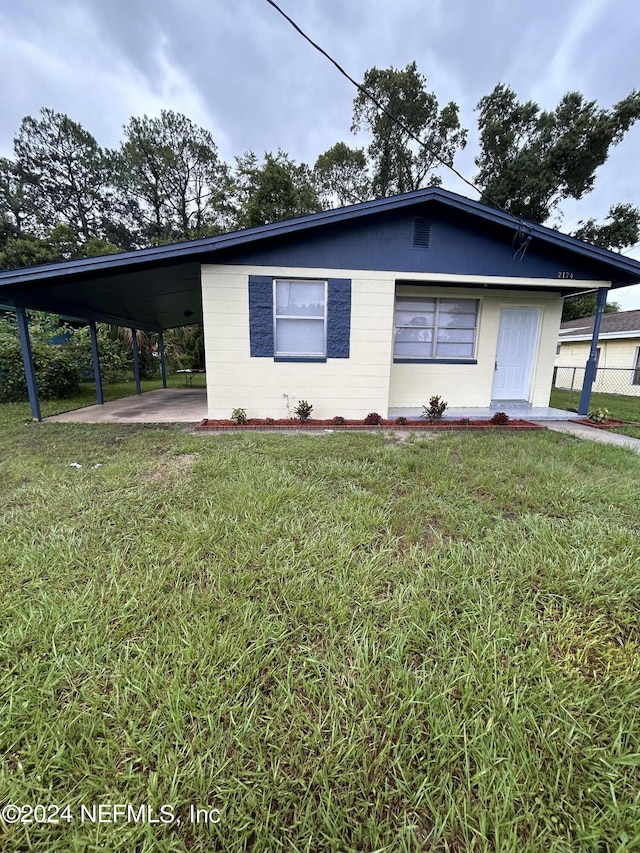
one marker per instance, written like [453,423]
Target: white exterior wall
[471,385]
[351,387]
[368,380]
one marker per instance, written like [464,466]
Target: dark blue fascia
[620,268]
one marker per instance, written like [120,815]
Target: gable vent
[421,233]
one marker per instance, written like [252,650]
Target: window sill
[435,360]
[320,359]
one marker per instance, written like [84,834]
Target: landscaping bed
[293,423]
[612,423]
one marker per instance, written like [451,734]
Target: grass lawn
[341,642]
[621,407]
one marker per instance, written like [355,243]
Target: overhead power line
[382,107]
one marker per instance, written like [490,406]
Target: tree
[398,163]
[619,231]
[342,174]
[531,160]
[277,189]
[171,179]
[64,174]
[584,305]
[14,206]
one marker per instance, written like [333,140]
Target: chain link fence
[624,381]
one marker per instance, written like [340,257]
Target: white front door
[516,353]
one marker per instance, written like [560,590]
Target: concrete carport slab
[164,406]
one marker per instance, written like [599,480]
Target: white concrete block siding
[368,380]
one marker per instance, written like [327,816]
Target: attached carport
[151,290]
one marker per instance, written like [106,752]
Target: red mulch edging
[612,423]
[291,423]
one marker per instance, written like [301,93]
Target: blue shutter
[261,316]
[338,318]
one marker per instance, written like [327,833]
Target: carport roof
[160,287]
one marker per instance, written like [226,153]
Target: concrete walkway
[163,406]
[604,436]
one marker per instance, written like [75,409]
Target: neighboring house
[373,307]
[618,352]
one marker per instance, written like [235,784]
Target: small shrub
[465,421]
[435,410]
[303,411]
[401,420]
[269,421]
[598,416]
[239,416]
[500,418]
[373,419]
[338,420]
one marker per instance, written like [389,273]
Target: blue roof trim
[194,249]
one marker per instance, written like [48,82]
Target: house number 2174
[565,274]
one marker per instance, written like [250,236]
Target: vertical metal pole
[590,370]
[27,360]
[96,361]
[136,360]
[163,364]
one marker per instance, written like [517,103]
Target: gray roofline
[207,245]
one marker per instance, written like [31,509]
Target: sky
[237,68]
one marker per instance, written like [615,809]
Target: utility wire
[384,109]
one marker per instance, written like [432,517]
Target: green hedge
[57,372]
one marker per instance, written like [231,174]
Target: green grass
[342,642]
[621,407]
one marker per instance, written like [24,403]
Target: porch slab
[163,406]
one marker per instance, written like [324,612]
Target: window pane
[405,335]
[416,304]
[412,349]
[410,318]
[456,335]
[300,298]
[459,306]
[465,321]
[454,350]
[299,337]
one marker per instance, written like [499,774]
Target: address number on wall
[565,274]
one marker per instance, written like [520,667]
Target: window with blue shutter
[299,319]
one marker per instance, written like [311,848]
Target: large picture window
[300,318]
[433,328]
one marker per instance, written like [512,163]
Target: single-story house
[373,307]
[617,353]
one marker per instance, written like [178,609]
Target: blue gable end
[261,317]
[458,244]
